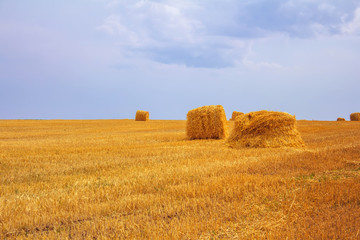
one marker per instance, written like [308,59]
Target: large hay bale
[355,116]
[207,122]
[340,119]
[236,114]
[141,115]
[265,129]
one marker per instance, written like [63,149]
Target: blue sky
[100,59]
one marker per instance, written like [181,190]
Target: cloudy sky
[100,59]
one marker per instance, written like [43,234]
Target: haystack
[142,115]
[340,119]
[236,114]
[208,122]
[265,129]
[355,116]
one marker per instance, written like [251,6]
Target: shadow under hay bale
[355,116]
[207,122]
[265,129]
[142,115]
[340,119]
[236,114]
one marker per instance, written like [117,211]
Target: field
[105,179]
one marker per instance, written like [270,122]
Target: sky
[105,59]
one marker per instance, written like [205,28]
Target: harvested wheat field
[106,179]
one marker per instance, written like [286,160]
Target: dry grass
[340,119]
[265,129]
[142,115]
[355,116]
[117,179]
[236,114]
[207,122]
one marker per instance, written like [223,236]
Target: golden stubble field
[106,179]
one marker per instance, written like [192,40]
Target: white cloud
[114,26]
[326,7]
[352,27]
[260,65]
[150,24]
[254,61]
[170,21]
[319,29]
[166,31]
[199,33]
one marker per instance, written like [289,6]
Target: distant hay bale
[236,114]
[207,122]
[355,116]
[142,115]
[265,129]
[340,119]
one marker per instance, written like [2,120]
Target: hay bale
[207,122]
[340,119]
[265,129]
[236,114]
[355,116]
[142,115]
